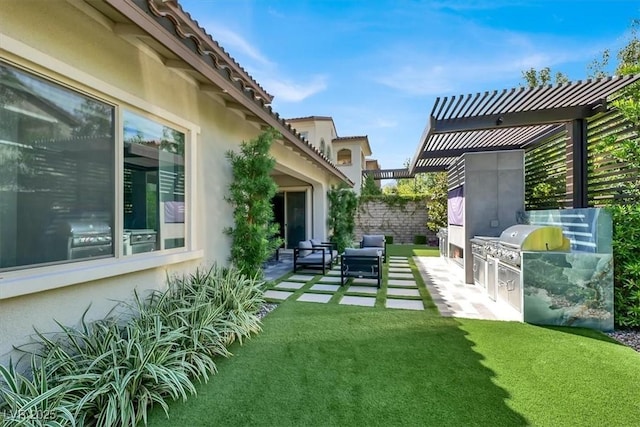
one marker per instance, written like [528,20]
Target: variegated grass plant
[111,371]
[33,401]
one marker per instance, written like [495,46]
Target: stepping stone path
[321,287]
[404,304]
[326,279]
[394,275]
[399,292]
[364,301]
[402,290]
[289,285]
[321,298]
[281,295]
[300,278]
[362,290]
[401,283]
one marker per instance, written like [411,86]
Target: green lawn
[412,250]
[326,364]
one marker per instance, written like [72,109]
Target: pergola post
[576,189]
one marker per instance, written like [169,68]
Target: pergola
[513,119]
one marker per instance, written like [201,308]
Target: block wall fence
[403,222]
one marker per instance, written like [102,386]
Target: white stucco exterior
[320,131]
[75,45]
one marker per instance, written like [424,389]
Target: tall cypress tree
[250,194]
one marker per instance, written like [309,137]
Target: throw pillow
[305,244]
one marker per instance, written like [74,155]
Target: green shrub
[389,240]
[109,372]
[419,240]
[343,204]
[626,248]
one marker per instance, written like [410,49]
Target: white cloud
[493,57]
[382,122]
[290,91]
[264,70]
[235,44]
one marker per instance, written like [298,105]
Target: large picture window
[154,180]
[57,191]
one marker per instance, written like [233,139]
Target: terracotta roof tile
[226,66]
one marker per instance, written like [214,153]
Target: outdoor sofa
[363,262]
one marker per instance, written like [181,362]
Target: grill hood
[535,238]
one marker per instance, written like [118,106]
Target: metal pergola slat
[520,114]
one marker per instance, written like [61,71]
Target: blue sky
[377,67]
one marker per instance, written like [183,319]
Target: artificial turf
[327,364]
[412,250]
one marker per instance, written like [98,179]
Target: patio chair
[364,263]
[332,247]
[375,241]
[308,256]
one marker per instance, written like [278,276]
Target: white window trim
[38,279]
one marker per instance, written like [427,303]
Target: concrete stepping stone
[289,285]
[281,295]
[300,278]
[401,283]
[399,292]
[363,301]
[327,279]
[399,270]
[394,275]
[399,265]
[321,287]
[395,257]
[321,298]
[362,290]
[333,273]
[404,304]
[364,281]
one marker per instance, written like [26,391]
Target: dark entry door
[296,219]
[279,213]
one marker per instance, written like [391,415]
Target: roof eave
[243,96]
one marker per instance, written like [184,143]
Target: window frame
[39,278]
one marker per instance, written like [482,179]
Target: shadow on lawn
[582,332]
[317,364]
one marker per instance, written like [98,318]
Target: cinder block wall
[402,222]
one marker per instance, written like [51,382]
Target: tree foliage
[436,193]
[430,186]
[250,194]
[369,187]
[343,204]
[543,77]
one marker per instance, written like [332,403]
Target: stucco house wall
[353,170]
[61,42]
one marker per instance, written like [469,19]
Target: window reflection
[56,172]
[154,210]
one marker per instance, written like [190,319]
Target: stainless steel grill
[78,239]
[139,240]
[497,260]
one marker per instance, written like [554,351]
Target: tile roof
[188,27]
[307,118]
[345,138]
[174,29]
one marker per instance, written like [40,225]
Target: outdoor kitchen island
[552,267]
